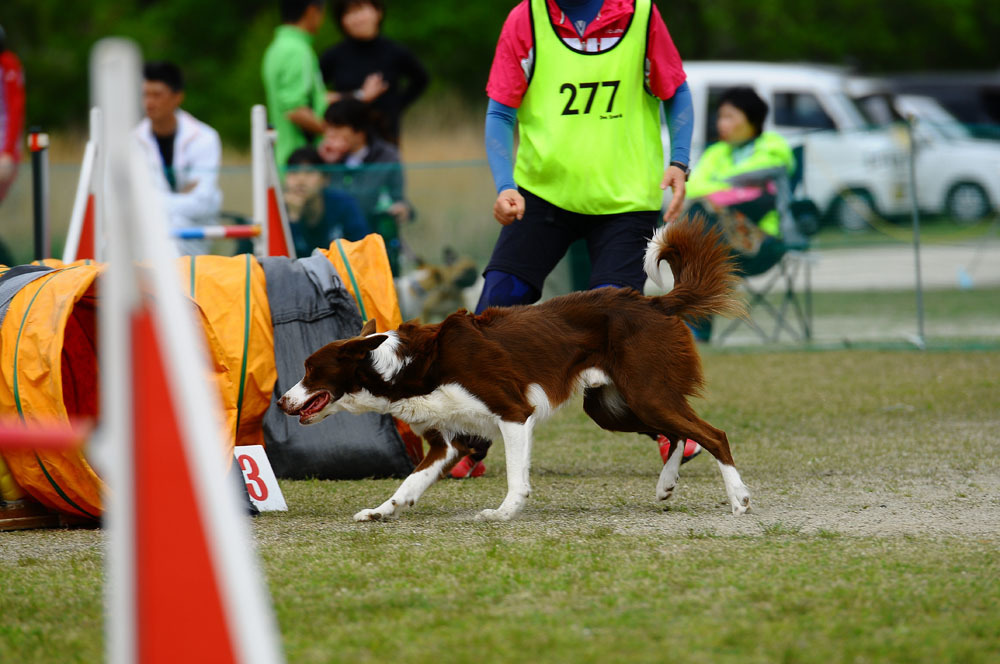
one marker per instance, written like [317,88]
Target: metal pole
[920,340]
[38,143]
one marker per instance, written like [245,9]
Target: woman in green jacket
[744,149]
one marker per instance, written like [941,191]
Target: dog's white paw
[741,502]
[494,515]
[370,515]
[665,489]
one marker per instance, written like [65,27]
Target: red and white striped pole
[183,581]
[214,232]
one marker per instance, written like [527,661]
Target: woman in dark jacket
[370,67]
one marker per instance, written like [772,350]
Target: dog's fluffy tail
[704,278]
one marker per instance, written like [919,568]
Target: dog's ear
[369,328]
[358,348]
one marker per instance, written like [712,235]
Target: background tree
[219,44]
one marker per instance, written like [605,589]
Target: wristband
[684,168]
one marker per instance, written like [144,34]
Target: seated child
[317,214]
[367,167]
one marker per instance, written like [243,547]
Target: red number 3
[249,466]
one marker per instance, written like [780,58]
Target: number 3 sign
[262,485]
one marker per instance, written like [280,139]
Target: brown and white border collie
[507,369]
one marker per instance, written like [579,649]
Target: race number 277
[590,89]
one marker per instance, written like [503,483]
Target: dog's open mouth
[314,405]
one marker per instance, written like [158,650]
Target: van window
[800,109]
[714,94]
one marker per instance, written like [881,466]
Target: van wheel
[967,203]
[852,210]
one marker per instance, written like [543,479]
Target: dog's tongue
[314,405]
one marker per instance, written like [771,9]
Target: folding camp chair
[791,276]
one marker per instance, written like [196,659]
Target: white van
[957,174]
[851,170]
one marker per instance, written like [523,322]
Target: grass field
[873,538]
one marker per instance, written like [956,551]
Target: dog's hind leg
[517,446]
[682,423]
[608,409]
[671,471]
[441,455]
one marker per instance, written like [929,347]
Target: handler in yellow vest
[585,78]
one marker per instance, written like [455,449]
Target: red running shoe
[466,467]
[691,449]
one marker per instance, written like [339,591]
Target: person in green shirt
[296,95]
[724,188]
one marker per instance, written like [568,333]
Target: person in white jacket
[183,154]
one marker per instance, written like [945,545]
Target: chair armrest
[758,178]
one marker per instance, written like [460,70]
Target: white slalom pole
[99,183]
[244,596]
[143,611]
[259,173]
[84,187]
[114,66]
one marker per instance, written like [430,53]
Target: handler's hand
[509,206]
[675,179]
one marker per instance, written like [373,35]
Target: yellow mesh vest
[589,131]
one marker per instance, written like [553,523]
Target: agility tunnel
[49,362]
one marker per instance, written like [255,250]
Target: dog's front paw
[494,515]
[369,515]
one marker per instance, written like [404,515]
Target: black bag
[310,308]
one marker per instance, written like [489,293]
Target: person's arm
[292,94]
[680,123]
[664,78]
[305,118]
[416,75]
[770,151]
[13,99]
[203,200]
[715,169]
[500,120]
[509,73]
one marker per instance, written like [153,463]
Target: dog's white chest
[450,408]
